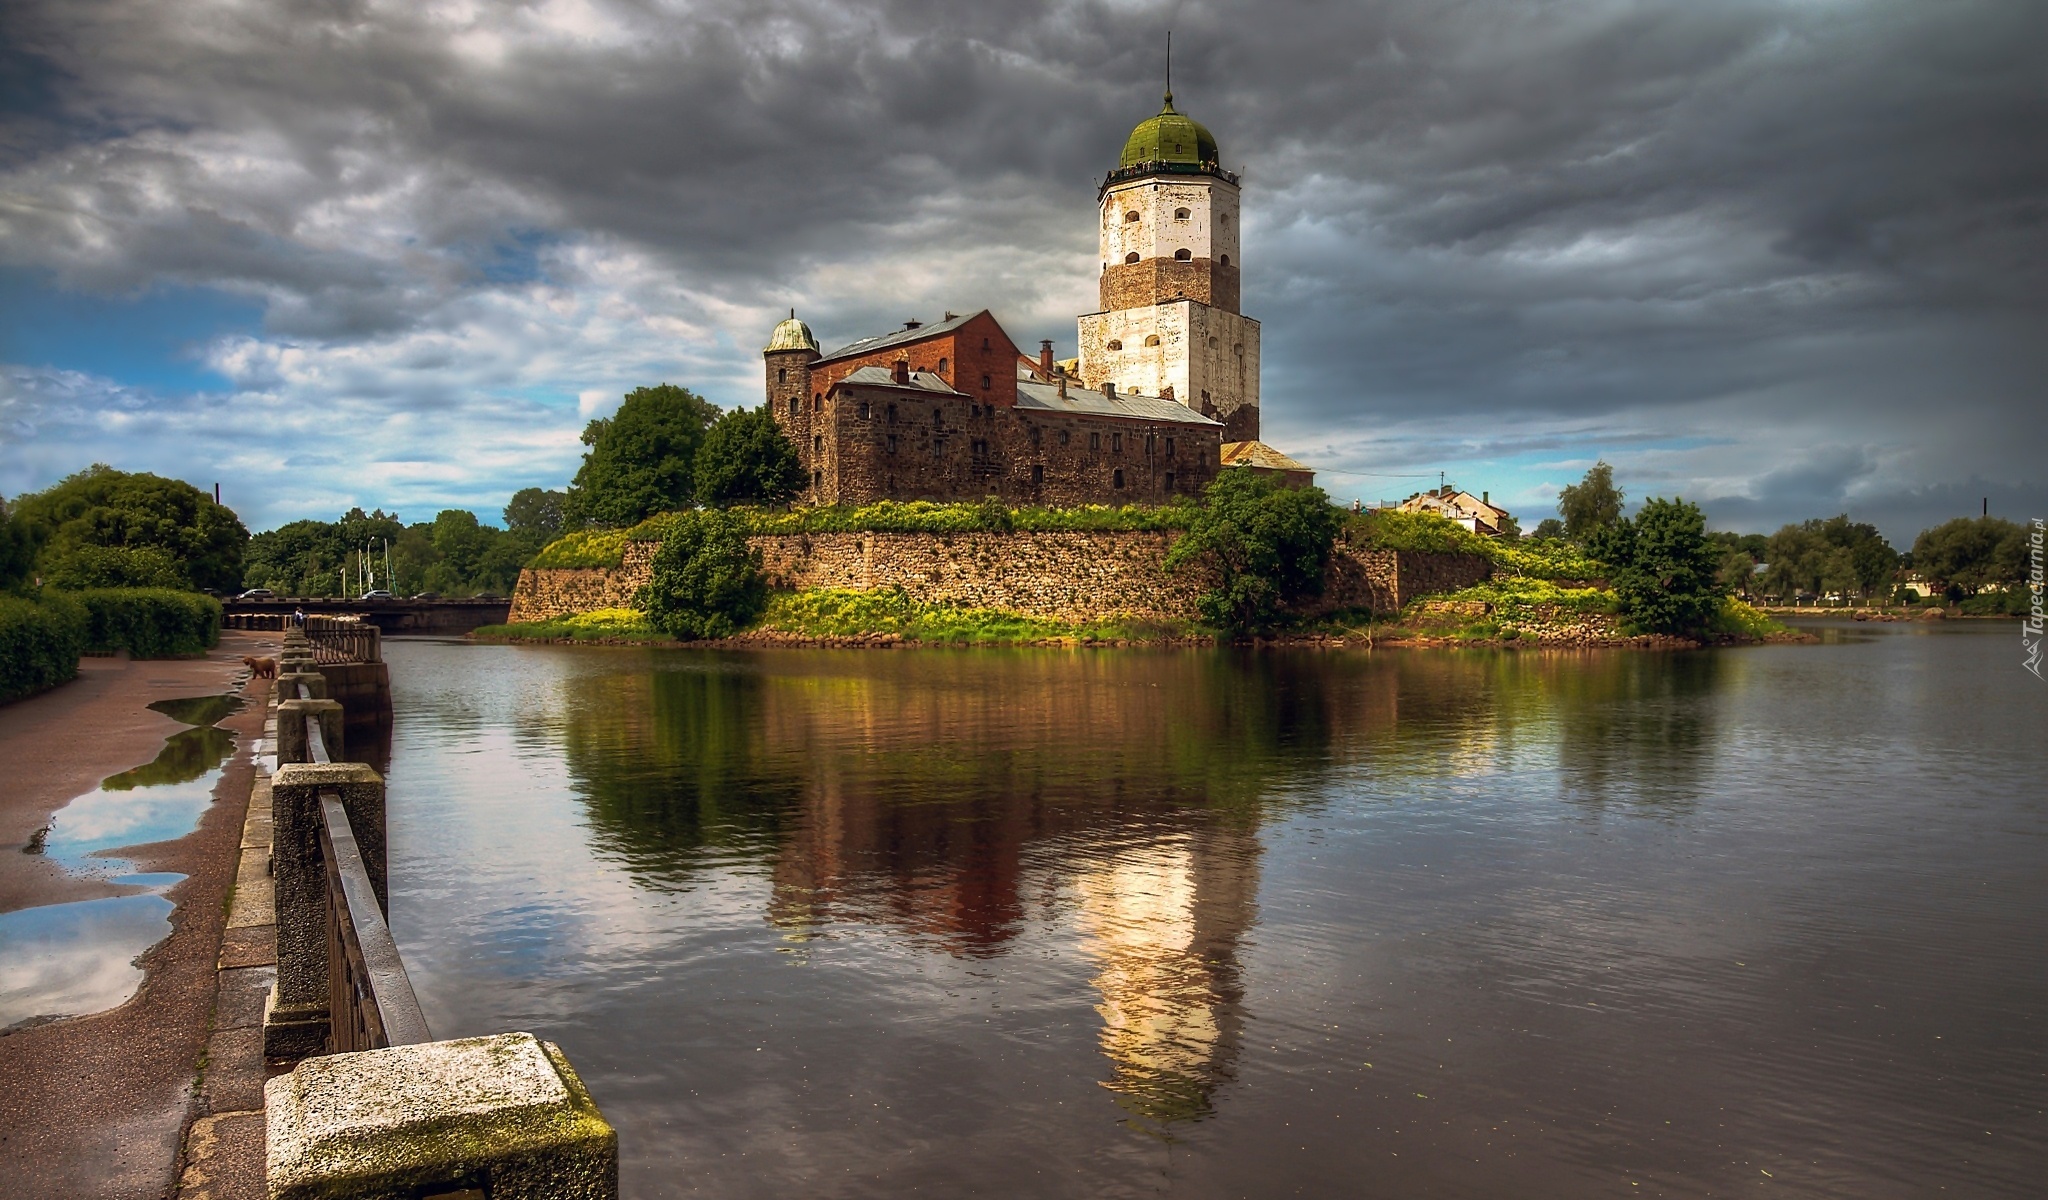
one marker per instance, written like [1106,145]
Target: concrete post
[501,1116]
[295,1020]
[291,729]
[288,682]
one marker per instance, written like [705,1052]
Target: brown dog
[261,668]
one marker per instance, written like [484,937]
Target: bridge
[389,616]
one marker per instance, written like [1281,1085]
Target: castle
[1166,381]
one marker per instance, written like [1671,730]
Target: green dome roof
[1169,138]
[791,335]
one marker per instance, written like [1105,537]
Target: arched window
[1153,340]
[1066,435]
[792,406]
[942,366]
[782,374]
[1130,216]
[818,402]
[863,410]
[1180,214]
[818,444]
[986,383]
[1183,255]
[1114,344]
[1225,260]
[1212,343]
[892,414]
[1116,480]
[817,479]
[1131,258]
[1223,218]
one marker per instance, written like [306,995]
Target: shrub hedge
[39,644]
[150,622]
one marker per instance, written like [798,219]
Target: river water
[1044,923]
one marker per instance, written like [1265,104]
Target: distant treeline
[452,555]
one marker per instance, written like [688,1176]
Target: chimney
[912,324]
[1166,393]
[903,370]
[1063,384]
[1486,497]
[1045,357]
[950,314]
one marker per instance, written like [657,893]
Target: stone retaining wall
[1065,576]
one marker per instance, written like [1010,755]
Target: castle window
[1212,346]
[1131,258]
[1169,451]
[792,406]
[1180,214]
[818,444]
[1183,255]
[1153,340]
[984,343]
[979,448]
[938,419]
[817,479]
[863,410]
[1223,218]
[1169,481]
[1116,442]
[1037,475]
[1065,437]
[1225,260]
[892,412]
[942,366]
[1037,435]
[1116,479]
[1151,443]
[1115,344]
[1130,216]
[782,374]
[818,402]
[984,383]
[892,443]
[1095,441]
[938,447]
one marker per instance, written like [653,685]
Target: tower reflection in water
[917,794]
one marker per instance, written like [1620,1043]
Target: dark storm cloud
[1801,243]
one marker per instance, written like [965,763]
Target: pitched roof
[899,337]
[1080,401]
[1258,454]
[883,377]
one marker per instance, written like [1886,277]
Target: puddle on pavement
[62,960]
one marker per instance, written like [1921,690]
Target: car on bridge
[376,594]
[257,594]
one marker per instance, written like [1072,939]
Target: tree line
[1825,556]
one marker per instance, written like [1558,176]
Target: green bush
[150,622]
[39,644]
[706,581]
[1664,568]
[1428,533]
[1266,544]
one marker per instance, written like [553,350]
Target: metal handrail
[371,1004]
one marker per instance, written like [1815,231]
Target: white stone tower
[1169,324]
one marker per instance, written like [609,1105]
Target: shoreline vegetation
[1500,614]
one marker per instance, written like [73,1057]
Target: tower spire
[1169,68]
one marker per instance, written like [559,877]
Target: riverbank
[1516,615]
[96,1105]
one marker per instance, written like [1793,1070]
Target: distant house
[1259,457]
[1476,513]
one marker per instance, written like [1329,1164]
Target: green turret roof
[1169,138]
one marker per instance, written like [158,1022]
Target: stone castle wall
[1065,576]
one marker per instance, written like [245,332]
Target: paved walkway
[97,1106]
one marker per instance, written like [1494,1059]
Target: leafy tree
[1970,554]
[642,459]
[1547,528]
[1737,572]
[1267,545]
[705,581]
[746,459]
[1662,567]
[1590,505]
[1797,559]
[1510,530]
[18,544]
[102,507]
[115,567]
[537,512]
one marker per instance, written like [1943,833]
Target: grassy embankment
[1543,593]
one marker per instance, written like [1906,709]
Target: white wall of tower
[1209,230]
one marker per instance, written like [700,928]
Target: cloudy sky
[1787,259]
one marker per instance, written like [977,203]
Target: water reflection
[1460,923]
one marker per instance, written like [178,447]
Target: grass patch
[603,625]
[840,612]
[1427,533]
